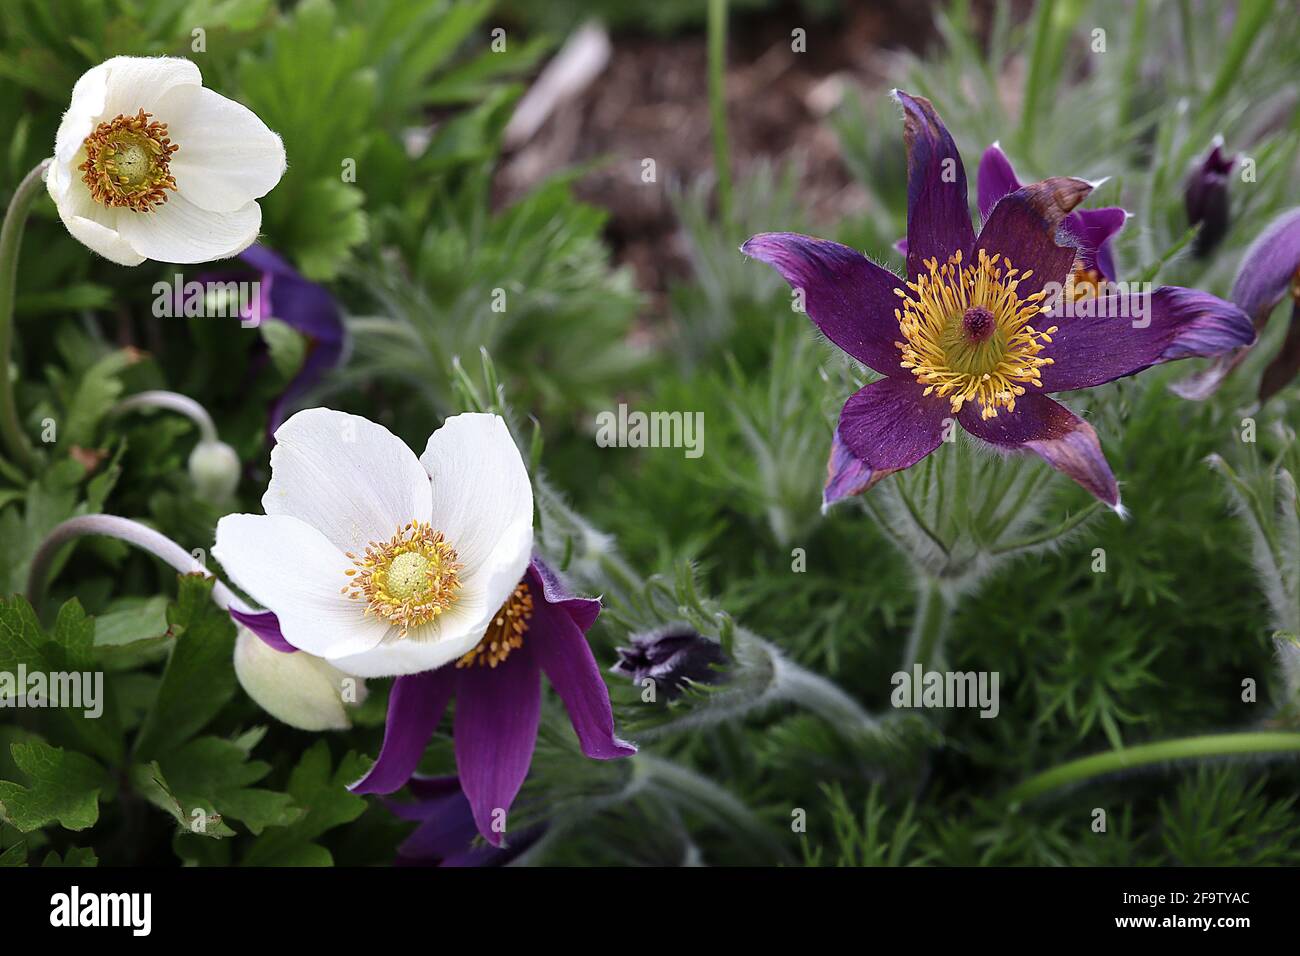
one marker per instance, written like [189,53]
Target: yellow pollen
[992,370]
[1085,283]
[409,579]
[505,633]
[128,162]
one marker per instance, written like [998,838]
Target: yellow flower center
[505,633]
[409,579]
[967,335]
[128,162]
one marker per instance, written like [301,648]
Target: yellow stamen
[128,162]
[953,348]
[505,633]
[409,579]
[1085,283]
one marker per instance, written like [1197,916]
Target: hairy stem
[1145,755]
[718,104]
[11,238]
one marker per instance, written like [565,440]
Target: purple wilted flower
[497,686]
[302,305]
[1205,196]
[961,338]
[671,656]
[1269,273]
[1091,229]
[446,831]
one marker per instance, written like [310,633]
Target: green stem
[11,238]
[1184,748]
[718,104]
[933,614]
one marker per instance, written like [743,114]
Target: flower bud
[671,656]
[1205,196]
[215,467]
[300,689]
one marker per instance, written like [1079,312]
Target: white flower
[302,690]
[379,562]
[150,165]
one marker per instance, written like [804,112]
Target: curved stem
[174,402]
[933,613]
[1143,755]
[821,696]
[718,104]
[132,532]
[11,238]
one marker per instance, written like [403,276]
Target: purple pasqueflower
[1269,273]
[1090,229]
[671,656]
[301,304]
[446,831]
[1205,197]
[954,340]
[497,686]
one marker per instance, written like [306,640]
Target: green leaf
[76,856]
[326,803]
[200,676]
[214,775]
[64,788]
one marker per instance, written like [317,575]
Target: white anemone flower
[150,165]
[382,563]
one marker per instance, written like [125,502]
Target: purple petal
[1023,229]
[891,424]
[1269,267]
[1055,434]
[415,706]
[846,474]
[938,216]
[1098,342]
[561,649]
[1094,229]
[1286,363]
[266,626]
[995,179]
[849,297]
[583,611]
[497,712]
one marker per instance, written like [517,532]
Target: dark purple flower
[304,306]
[968,335]
[671,656]
[446,831]
[1205,196]
[497,686]
[1269,273]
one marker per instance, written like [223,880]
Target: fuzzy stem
[1144,755]
[718,104]
[930,628]
[173,402]
[820,696]
[11,238]
[132,532]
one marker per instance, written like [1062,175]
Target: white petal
[84,113]
[292,569]
[302,690]
[138,82]
[89,222]
[353,480]
[179,231]
[450,635]
[482,501]
[227,157]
